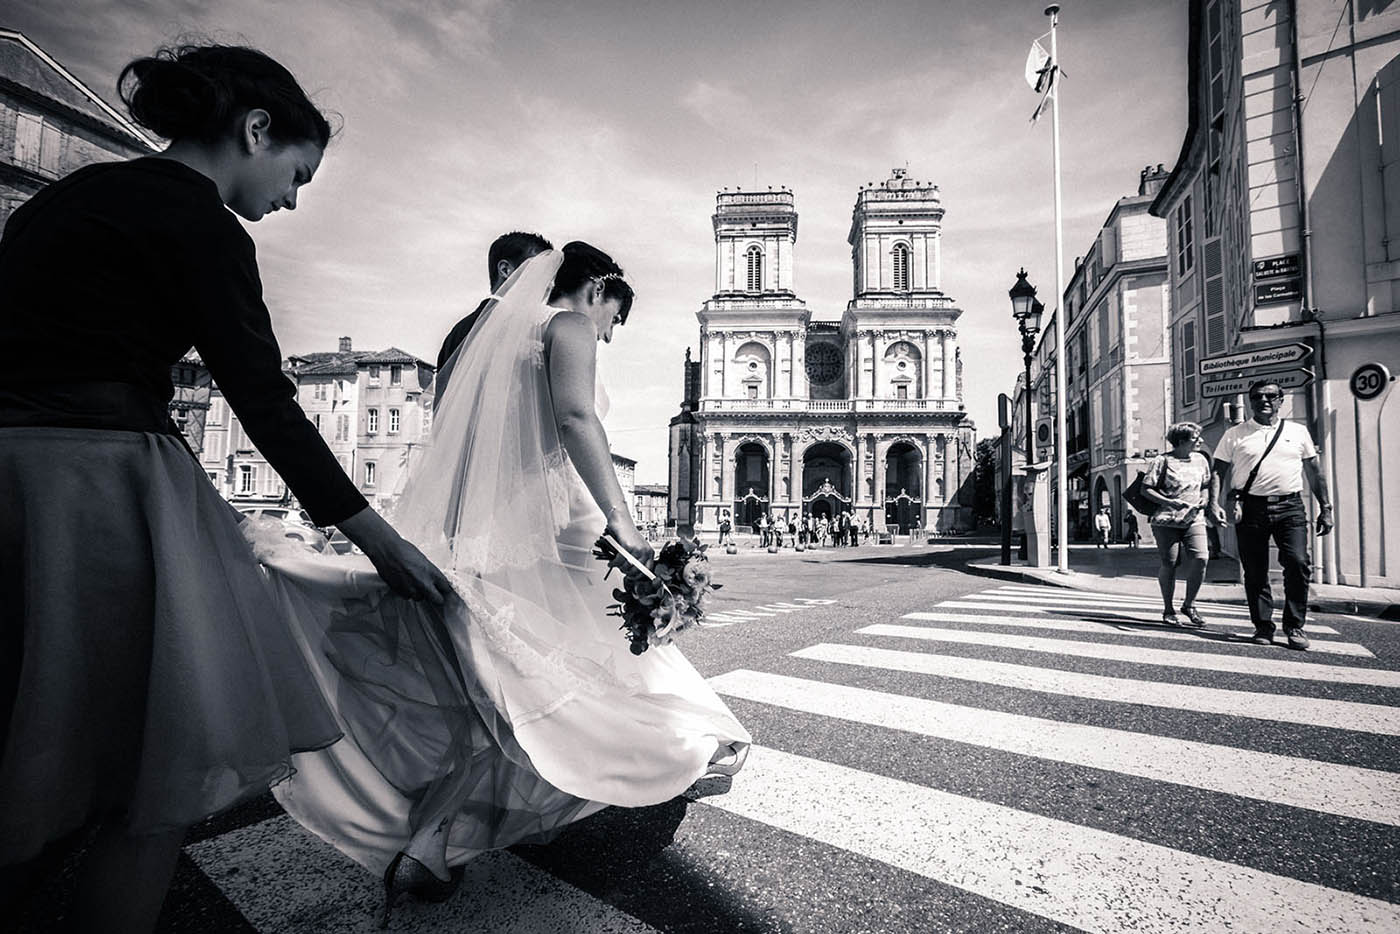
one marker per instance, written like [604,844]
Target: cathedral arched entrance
[751,473]
[904,501]
[826,480]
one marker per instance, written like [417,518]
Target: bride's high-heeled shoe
[407,875]
[729,765]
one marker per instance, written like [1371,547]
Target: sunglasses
[1265,396]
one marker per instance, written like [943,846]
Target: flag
[1036,61]
[1041,74]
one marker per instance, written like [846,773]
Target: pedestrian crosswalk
[1023,758]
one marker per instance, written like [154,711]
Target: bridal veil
[521,690]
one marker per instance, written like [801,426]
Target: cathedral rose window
[823,363]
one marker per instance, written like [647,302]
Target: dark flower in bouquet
[656,603]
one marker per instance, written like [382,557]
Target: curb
[1386,611]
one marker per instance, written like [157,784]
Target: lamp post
[1026,309]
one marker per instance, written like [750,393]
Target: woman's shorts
[1192,539]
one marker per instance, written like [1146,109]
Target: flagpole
[1061,477]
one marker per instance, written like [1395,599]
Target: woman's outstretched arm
[571,344]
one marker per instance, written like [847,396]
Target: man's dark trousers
[1285,520]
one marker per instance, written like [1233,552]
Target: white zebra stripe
[1309,711]
[1207,661]
[1087,878]
[1145,630]
[1060,602]
[1345,790]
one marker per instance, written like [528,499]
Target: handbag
[1135,498]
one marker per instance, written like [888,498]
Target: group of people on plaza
[842,530]
[458,688]
[1265,462]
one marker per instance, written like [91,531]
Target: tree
[984,498]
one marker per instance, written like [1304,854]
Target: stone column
[726,469]
[858,496]
[874,363]
[881,448]
[792,364]
[950,453]
[926,369]
[932,501]
[947,365]
[723,364]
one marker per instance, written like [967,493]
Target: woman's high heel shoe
[407,875]
[729,764]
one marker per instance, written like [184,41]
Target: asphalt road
[1009,758]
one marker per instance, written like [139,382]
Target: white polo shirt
[1243,444]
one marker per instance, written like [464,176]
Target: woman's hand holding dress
[404,568]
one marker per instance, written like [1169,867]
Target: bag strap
[1249,482]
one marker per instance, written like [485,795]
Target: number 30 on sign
[1369,380]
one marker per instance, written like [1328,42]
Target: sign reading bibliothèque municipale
[1261,358]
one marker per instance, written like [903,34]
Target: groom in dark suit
[507,252]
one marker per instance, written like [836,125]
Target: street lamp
[1026,309]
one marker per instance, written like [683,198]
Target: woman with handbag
[1179,483]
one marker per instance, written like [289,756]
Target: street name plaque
[1258,359]
[1278,266]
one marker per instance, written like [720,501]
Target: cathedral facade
[788,411]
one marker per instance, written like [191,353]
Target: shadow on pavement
[624,857]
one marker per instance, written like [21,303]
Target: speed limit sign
[1369,380]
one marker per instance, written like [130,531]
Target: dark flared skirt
[146,672]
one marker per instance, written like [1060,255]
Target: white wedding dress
[521,694]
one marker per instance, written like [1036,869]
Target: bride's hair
[198,91]
[583,262]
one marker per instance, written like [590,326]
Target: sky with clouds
[617,122]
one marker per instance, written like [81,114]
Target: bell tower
[896,239]
[755,233]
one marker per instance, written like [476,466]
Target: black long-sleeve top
[111,274]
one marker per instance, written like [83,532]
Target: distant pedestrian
[1130,523]
[1179,482]
[726,529]
[1274,456]
[1103,526]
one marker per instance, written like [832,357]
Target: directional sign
[1292,379]
[1258,359]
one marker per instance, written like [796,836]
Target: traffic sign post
[1368,382]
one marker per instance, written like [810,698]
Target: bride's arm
[571,344]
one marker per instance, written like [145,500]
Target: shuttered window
[1214,294]
[755,257]
[29,131]
[1188,363]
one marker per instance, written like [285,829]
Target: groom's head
[509,251]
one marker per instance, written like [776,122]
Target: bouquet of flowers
[656,603]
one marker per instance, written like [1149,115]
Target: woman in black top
[146,679]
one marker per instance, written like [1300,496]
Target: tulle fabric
[146,674]
[521,690]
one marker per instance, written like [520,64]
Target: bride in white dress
[517,708]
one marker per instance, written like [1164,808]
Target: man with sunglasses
[1267,460]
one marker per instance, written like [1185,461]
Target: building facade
[1283,214]
[650,504]
[52,124]
[791,412]
[373,408]
[1118,359]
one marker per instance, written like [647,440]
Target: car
[285,513]
[341,545]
